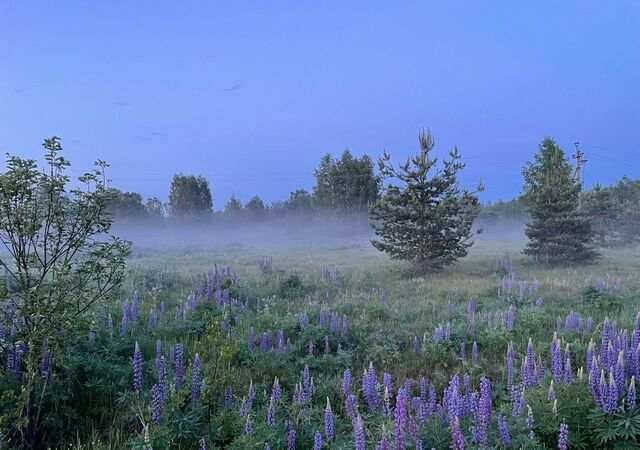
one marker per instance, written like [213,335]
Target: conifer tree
[558,232]
[426,218]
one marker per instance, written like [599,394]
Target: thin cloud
[235,87]
[121,104]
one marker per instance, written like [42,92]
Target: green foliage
[58,263]
[190,197]
[426,220]
[558,232]
[346,185]
[615,212]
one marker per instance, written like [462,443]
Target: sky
[252,94]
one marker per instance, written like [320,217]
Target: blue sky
[251,94]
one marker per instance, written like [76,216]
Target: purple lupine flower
[457,438]
[196,381]
[134,307]
[631,393]
[556,359]
[291,439]
[551,395]
[612,395]
[281,346]
[271,413]
[203,444]
[619,373]
[568,371]
[529,422]
[503,429]
[528,372]
[438,334]
[228,398]
[179,365]
[510,363]
[474,353]
[369,381]
[317,441]
[483,413]
[157,400]
[346,382]
[510,319]
[387,382]
[163,379]
[358,434]
[517,400]
[384,442]
[137,368]
[276,391]
[329,430]
[400,419]
[248,426]
[350,405]
[45,362]
[563,437]
[590,355]
[463,352]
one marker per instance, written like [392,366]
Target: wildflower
[137,368]
[157,401]
[317,441]
[358,434]
[329,430]
[291,439]
[196,382]
[346,382]
[179,365]
[563,437]
[503,429]
[400,418]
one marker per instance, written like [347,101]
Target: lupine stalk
[329,430]
[179,365]
[563,437]
[137,368]
[196,381]
[358,434]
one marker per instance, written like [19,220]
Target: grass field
[306,290]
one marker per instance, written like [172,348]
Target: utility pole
[578,174]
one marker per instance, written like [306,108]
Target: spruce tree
[558,232]
[426,218]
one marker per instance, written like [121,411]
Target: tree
[347,184]
[427,218]
[598,204]
[255,208]
[558,231]
[190,197]
[155,209]
[233,208]
[300,202]
[58,264]
[127,205]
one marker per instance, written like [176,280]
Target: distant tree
[127,205]
[347,184]
[58,264]
[300,201]
[599,205]
[427,218]
[558,231]
[190,197]
[154,208]
[233,209]
[255,208]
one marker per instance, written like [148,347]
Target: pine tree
[558,231]
[427,218]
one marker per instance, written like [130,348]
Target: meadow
[326,343]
